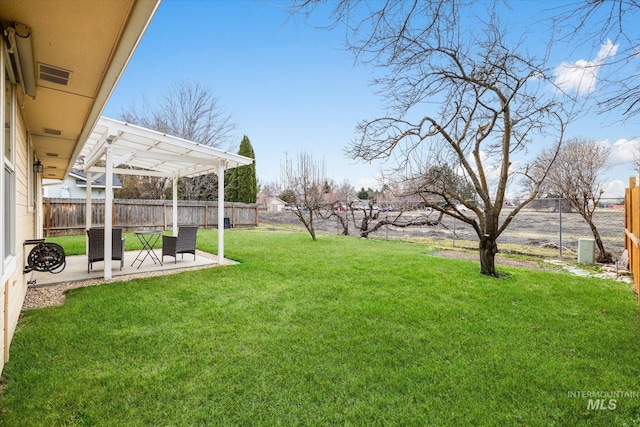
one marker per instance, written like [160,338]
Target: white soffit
[157,153]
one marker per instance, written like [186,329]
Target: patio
[76,268]
[132,150]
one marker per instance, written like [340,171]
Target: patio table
[148,240]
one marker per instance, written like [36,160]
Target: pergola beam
[135,172]
[122,128]
[97,153]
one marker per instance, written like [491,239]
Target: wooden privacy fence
[67,216]
[632,230]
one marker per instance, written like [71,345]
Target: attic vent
[52,131]
[52,154]
[53,74]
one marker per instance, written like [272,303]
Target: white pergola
[114,144]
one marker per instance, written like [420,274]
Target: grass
[511,250]
[342,331]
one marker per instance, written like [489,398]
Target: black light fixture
[37,167]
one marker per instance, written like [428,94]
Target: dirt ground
[534,232]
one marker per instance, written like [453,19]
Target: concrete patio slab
[76,268]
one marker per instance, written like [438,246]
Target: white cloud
[622,151]
[373,182]
[614,189]
[581,76]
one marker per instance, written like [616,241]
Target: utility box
[586,251]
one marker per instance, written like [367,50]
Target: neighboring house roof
[270,200]
[333,197]
[99,182]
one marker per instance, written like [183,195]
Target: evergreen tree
[363,194]
[243,184]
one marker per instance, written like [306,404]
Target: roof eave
[139,20]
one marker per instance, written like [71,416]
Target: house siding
[15,287]
[74,192]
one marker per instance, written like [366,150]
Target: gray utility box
[586,251]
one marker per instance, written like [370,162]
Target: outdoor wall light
[38,167]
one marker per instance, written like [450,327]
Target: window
[8,182]
[6,241]
[32,187]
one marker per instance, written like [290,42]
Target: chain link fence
[546,227]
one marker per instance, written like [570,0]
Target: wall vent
[50,131]
[53,74]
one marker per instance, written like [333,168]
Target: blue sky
[290,87]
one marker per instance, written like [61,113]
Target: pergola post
[175,206]
[220,173]
[88,209]
[108,209]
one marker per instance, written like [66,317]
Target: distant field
[535,229]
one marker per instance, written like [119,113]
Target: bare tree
[189,111]
[459,95]
[271,188]
[576,175]
[615,22]
[305,179]
[368,226]
[341,205]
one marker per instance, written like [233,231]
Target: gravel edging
[52,295]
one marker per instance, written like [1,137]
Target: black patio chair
[183,243]
[96,246]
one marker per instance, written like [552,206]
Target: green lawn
[342,331]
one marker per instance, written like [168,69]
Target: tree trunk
[344,222]
[603,256]
[488,250]
[308,224]
[364,227]
[310,227]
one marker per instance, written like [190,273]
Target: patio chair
[183,243]
[96,246]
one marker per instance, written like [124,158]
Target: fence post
[632,230]
[48,219]
[257,224]
[233,215]
[164,215]
[560,213]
